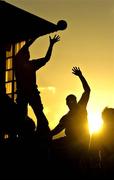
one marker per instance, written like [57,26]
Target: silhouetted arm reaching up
[76,71]
[85,96]
[52,42]
[42,61]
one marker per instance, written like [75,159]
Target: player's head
[71,101]
[108,115]
[23,54]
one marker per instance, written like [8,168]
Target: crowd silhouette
[29,152]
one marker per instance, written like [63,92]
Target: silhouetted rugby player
[27,90]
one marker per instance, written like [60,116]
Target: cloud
[51,89]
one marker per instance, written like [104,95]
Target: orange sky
[88,42]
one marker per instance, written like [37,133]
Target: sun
[95,122]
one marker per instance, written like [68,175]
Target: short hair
[71,97]
[108,114]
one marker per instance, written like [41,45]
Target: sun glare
[95,122]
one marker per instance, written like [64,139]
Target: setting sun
[95,122]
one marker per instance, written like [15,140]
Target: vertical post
[13,54]
[2,69]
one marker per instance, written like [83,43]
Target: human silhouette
[107,139]
[27,89]
[102,144]
[75,122]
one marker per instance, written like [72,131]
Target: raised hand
[76,71]
[55,39]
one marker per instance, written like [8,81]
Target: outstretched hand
[55,39]
[76,71]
